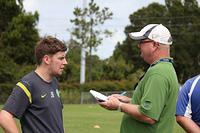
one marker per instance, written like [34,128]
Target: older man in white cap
[152,106]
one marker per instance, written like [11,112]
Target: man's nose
[65,62]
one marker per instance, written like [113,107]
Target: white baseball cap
[155,32]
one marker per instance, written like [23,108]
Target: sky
[55,15]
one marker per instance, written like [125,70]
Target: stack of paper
[100,97]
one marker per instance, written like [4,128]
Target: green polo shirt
[156,95]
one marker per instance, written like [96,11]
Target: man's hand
[111,104]
[121,98]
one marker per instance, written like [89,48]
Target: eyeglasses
[142,41]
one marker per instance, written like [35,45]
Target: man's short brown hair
[48,46]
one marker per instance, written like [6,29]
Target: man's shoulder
[193,78]
[29,79]
[164,65]
[189,82]
[165,72]
[162,69]
[29,75]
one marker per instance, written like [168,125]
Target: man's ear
[46,59]
[155,46]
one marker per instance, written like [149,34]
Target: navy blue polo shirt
[37,104]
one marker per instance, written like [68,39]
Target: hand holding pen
[121,97]
[123,93]
[114,100]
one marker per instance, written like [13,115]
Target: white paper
[98,96]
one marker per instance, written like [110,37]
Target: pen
[123,93]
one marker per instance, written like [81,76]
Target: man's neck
[162,53]
[44,73]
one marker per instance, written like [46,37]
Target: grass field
[91,118]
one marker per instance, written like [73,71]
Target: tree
[8,68]
[20,37]
[185,26]
[128,48]
[97,69]
[85,31]
[182,19]
[71,73]
[8,10]
[116,69]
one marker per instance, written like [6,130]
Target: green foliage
[70,93]
[71,73]
[97,71]
[185,31]
[182,19]
[23,70]
[85,23]
[116,69]
[85,32]
[134,77]
[10,73]
[70,89]
[128,49]
[70,96]
[72,70]
[20,37]
[8,10]
[104,85]
[8,69]
[6,89]
[100,86]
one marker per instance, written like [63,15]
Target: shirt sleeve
[17,102]
[154,96]
[183,100]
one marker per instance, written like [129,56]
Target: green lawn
[91,118]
